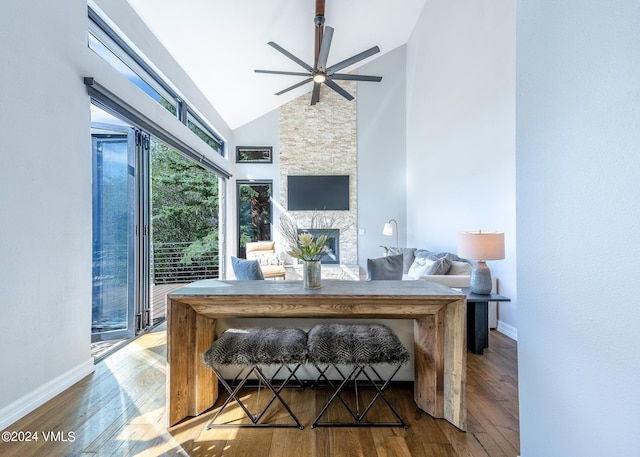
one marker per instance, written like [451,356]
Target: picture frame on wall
[254,154]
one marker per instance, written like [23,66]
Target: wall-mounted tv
[319,192]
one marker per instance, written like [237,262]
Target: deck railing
[170,265]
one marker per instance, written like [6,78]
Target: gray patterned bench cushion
[355,344]
[258,346]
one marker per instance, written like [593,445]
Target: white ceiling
[220,42]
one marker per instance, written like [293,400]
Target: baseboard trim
[508,330]
[26,404]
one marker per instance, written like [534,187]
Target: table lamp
[388,229]
[481,246]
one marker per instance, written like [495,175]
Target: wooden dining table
[438,312]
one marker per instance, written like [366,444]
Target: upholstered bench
[249,350]
[360,347]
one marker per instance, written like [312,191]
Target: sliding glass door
[120,298]
[156,226]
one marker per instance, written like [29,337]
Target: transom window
[105,42]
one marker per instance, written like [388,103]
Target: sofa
[442,267]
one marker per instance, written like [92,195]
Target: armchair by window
[265,253]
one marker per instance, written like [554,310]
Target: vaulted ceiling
[219,43]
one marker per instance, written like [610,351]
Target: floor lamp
[388,229]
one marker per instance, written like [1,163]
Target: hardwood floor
[120,411]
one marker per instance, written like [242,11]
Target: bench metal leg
[358,416]
[234,390]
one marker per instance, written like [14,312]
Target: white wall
[381,153]
[461,131]
[578,137]
[45,191]
[45,201]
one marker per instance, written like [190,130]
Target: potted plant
[307,248]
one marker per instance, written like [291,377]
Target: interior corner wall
[45,196]
[461,131]
[381,154]
[578,137]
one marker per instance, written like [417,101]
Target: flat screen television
[320,192]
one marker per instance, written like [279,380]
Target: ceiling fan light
[319,77]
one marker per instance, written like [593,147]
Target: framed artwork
[254,154]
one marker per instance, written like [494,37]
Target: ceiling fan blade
[315,96]
[301,83]
[291,56]
[324,49]
[350,77]
[274,72]
[354,59]
[339,89]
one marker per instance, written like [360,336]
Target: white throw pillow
[419,267]
[267,259]
[460,268]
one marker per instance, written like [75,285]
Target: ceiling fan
[320,73]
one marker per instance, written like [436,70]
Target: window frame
[184,112]
[199,123]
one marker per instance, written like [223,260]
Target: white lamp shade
[481,245]
[388,229]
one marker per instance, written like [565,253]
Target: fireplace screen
[333,241]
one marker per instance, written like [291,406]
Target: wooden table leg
[441,364]
[191,387]
[206,382]
[428,334]
[455,364]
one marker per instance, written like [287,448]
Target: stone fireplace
[322,140]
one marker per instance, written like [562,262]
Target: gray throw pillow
[452,257]
[440,266]
[389,267]
[246,269]
[426,254]
[407,259]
